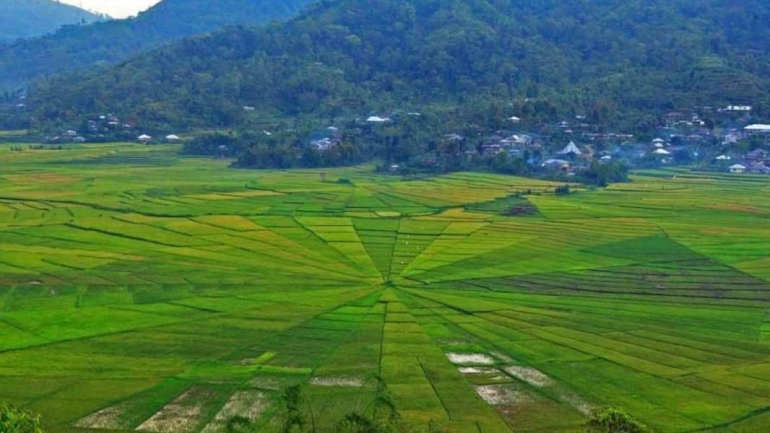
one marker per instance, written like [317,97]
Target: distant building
[570,149]
[144,138]
[759,168]
[757,128]
[731,139]
[556,164]
[378,119]
[738,169]
[173,138]
[756,156]
[738,108]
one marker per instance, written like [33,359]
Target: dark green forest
[82,47]
[614,60]
[31,18]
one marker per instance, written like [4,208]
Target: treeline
[615,61]
[412,145]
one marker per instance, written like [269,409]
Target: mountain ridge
[606,57]
[31,18]
[77,48]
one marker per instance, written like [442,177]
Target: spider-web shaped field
[143,291]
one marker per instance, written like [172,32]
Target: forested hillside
[31,18]
[75,48]
[606,58]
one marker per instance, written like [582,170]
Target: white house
[378,119]
[738,169]
[571,149]
[739,108]
[144,138]
[662,152]
[515,119]
[173,138]
[723,158]
[559,164]
[758,128]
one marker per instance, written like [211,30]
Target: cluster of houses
[107,127]
[568,145]
[755,162]
[325,140]
[107,123]
[685,141]
[69,136]
[72,136]
[147,139]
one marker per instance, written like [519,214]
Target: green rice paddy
[144,291]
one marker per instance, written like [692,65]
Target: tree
[13,420]
[612,420]
[295,419]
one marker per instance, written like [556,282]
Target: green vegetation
[611,420]
[106,43]
[13,420]
[144,290]
[617,62]
[31,18]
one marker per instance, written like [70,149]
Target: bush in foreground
[13,420]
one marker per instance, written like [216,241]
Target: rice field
[142,291]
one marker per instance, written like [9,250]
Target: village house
[556,164]
[738,169]
[737,109]
[731,138]
[756,156]
[759,168]
[570,150]
[323,144]
[757,128]
[378,119]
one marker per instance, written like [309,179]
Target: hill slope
[31,18]
[109,42]
[610,56]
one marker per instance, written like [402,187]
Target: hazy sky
[114,8]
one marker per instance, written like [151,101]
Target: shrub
[13,420]
[611,420]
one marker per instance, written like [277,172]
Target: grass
[136,285]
